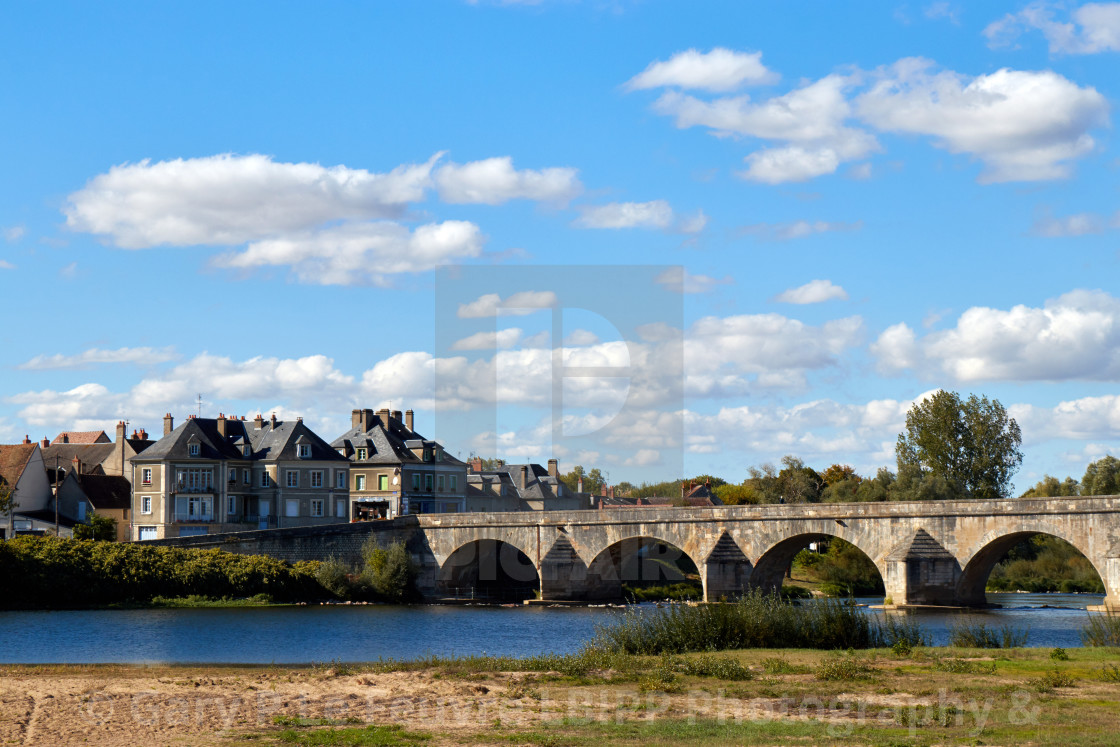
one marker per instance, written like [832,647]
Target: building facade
[224,474]
[395,471]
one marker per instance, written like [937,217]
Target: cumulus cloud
[229,199]
[501,339]
[1022,125]
[494,181]
[1092,28]
[815,291]
[6,265]
[718,70]
[13,234]
[798,229]
[1079,224]
[361,253]
[95,356]
[1073,337]
[654,214]
[521,303]
[680,280]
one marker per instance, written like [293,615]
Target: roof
[107,491]
[47,516]
[392,445]
[83,437]
[273,441]
[13,460]
[89,454]
[540,486]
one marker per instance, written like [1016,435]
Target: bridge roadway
[929,553]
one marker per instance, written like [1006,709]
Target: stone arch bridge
[928,553]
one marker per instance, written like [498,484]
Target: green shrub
[388,571]
[963,666]
[778,665]
[1059,654]
[979,635]
[845,667]
[100,528]
[333,576]
[1101,630]
[1053,678]
[1110,673]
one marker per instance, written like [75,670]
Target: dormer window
[247,450]
[193,449]
[361,453]
[305,451]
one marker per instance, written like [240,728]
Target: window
[264,479]
[193,450]
[199,509]
[415,481]
[292,478]
[232,509]
[245,477]
[317,479]
[340,479]
[454,483]
[340,509]
[195,480]
[441,482]
[361,453]
[247,450]
[305,451]
[428,483]
[291,507]
[382,482]
[146,504]
[360,482]
[316,507]
[233,474]
[146,476]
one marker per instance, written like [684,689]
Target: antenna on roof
[200,405]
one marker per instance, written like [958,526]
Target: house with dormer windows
[229,474]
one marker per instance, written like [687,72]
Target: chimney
[122,431]
[143,435]
[579,486]
[408,419]
[77,465]
[168,424]
[222,424]
[355,418]
[397,416]
[603,491]
[26,440]
[524,476]
[612,492]
[383,415]
[65,438]
[553,468]
[476,465]
[273,421]
[258,422]
[46,442]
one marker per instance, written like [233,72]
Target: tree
[101,528]
[593,481]
[839,472]
[971,444]
[798,483]
[1102,477]
[736,495]
[1050,487]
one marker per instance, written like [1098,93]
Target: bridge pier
[726,571]
[921,571]
[563,573]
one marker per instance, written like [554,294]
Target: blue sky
[867,202]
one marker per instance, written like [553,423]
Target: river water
[302,635]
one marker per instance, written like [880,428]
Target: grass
[367,736]
[1101,630]
[198,600]
[845,668]
[979,635]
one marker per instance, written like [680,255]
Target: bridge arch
[770,568]
[638,559]
[991,549]
[488,568]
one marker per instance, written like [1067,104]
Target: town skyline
[834,217]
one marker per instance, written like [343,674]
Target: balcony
[189,518]
[183,488]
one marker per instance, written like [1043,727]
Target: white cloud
[810,120]
[69,271]
[228,199]
[682,281]
[655,214]
[938,10]
[501,339]
[718,70]
[494,181]
[694,223]
[1080,224]
[5,265]
[361,253]
[580,337]
[13,234]
[94,356]
[1073,337]
[815,291]
[797,229]
[522,303]
[1095,27]
[1022,125]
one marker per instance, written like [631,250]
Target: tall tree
[1102,477]
[972,444]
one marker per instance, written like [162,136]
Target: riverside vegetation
[52,573]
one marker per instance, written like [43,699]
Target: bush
[1101,630]
[100,528]
[845,667]
[1053,678]
[757,620]
[333,576]
[388,571]
[979,635]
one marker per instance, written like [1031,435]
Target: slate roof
[13,460]
[107,491]
[268,443]
[46,515]
[84,437]
[540,486]
[388,446]
[89,454]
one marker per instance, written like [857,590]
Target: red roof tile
[84,437]
[13,460]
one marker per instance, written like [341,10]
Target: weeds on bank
[1051,679]
[1101,629]
[845,667]
[979,635]
[954,665]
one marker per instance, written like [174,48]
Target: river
[302,635]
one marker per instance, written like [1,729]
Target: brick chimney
[273,421]
[77,464]
[355,418]
[122,431]
[408,419]
[222,424]
[603,491]
[475,465]
[579,486]
[168,424]
[65,439]
[258,421]
[524,476]
[383,416]
[45,443]
[553,468]
[397,416]
[26,440]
